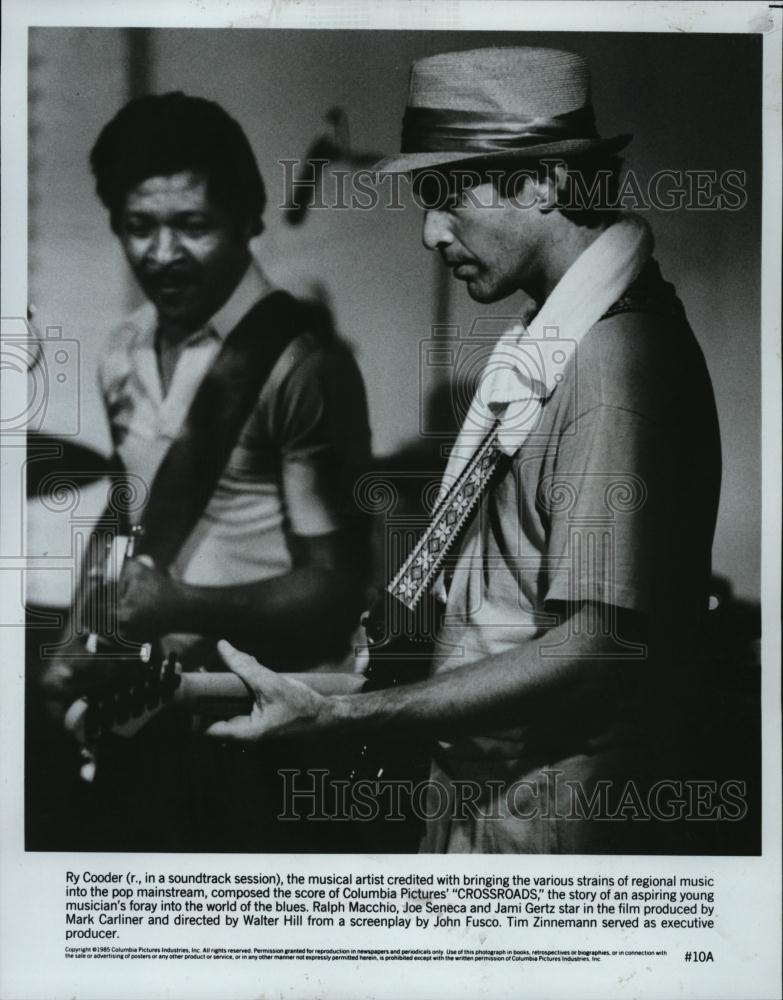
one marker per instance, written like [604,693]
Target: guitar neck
[225,694]
[126,708]
[212,694]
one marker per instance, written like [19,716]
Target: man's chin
[182,313]
[480,293]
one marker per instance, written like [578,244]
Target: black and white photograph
[394,488]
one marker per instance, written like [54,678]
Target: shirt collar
[252,287]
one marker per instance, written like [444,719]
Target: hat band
[441,130]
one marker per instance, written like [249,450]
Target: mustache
[174,274]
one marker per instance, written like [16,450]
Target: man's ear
[549,185]
[248,229]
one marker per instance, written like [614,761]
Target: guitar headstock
[123,704]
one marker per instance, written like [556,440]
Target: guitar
[122,705]
[129,684]
[401,625]
[399,631]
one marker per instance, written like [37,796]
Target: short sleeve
[321,427]
[607,504]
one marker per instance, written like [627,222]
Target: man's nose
[164,246]
[436,232]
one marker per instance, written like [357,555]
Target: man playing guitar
[580,586]
[274,557]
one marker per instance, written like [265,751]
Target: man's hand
[146,597]
[281,707]
[65,677]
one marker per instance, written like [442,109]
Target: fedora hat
[497,104]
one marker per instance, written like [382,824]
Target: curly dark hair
[164,134]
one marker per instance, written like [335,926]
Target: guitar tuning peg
[169,667]
[87,767]
[169,678]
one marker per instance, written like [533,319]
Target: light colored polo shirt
[612,500]
[295,460]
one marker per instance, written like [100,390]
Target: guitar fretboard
[420,569]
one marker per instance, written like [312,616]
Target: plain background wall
[692,102]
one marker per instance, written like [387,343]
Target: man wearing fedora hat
[577,590]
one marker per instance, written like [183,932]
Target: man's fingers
[238,728]
[245,667]
[361,659]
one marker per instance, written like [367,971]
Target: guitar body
[400,643]
[388,771]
